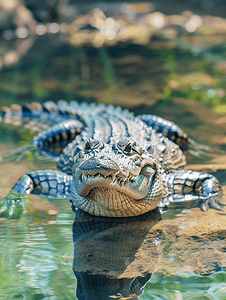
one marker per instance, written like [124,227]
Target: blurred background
[159,57]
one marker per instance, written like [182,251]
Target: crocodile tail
[38,117]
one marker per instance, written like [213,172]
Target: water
[179,255]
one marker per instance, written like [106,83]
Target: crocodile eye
[127,148]
[87,146]
[91,144]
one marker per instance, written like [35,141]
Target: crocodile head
[115,180]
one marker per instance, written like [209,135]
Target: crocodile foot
[190,200]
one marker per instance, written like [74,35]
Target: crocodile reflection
[114,257]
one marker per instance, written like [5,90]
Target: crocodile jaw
[135,187]
[108,202]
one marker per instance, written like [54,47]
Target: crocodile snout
[103,166]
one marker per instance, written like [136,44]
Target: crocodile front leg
[45,183]
[193,188]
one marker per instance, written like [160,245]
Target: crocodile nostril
[87,146]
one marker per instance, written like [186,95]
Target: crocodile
[109,162]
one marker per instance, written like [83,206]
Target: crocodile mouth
[102,175]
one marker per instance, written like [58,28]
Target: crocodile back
[109,125]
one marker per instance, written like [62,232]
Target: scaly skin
[110,163]
[116,180]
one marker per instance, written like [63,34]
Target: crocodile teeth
[124,181]
[115,178]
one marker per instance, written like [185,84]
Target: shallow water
[183,250]
[181,254]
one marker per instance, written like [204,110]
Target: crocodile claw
[213,201]
[204,206]
[12,206]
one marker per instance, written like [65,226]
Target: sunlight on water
[33,257]
[189,287]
